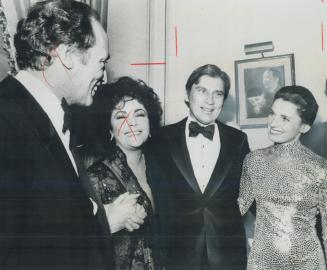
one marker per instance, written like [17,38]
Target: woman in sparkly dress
[123,173]
[288,183]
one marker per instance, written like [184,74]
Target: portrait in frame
[256,82]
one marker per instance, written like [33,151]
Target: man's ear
[65,55]
[186,100]
[305,128]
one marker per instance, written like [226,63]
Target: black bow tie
[195,129]
[67,116]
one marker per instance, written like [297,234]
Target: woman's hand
[140,211]
[132,223]
[121,213]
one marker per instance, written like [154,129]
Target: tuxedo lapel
[180,154]
[42,127]
[223,164]
[47,133]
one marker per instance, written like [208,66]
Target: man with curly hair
[49,218]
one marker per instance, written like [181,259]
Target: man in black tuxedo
[49,217]
[202,158]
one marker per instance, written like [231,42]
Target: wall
[128,36]
[137,35]
[215,31]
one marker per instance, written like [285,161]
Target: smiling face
[206,99]
[130,125]
[284,123]
[88,69]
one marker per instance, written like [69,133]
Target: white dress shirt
[203,154]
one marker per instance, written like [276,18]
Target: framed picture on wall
[257,81]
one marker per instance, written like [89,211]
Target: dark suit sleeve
[46,221]
[160,189]
[245,147]
[13,192]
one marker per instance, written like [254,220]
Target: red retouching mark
[125,121]
[43,68]
[148,64]
[43,72]
[66,68]
[322,37]
[176,41]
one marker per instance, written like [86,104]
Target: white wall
[215,31]
[137,35]
[128,31]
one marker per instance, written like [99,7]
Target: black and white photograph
[261,84]
[257,81]
[163,135]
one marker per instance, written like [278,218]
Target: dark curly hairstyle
[303,99]
[209,70]
[49,24]
[125,87]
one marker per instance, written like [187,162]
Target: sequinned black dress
[289,184]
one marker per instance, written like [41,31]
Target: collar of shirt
[50,104]
[203,154]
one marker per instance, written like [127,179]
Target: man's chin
[88,102]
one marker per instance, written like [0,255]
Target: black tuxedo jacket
[46,217]
[200,224]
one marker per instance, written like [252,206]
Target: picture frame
[256,82]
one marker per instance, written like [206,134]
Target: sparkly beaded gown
[288,182]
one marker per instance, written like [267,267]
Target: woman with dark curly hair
[121,176]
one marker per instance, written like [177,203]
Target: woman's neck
[133,157]
[296,140]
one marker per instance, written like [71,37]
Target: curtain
[5,42]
